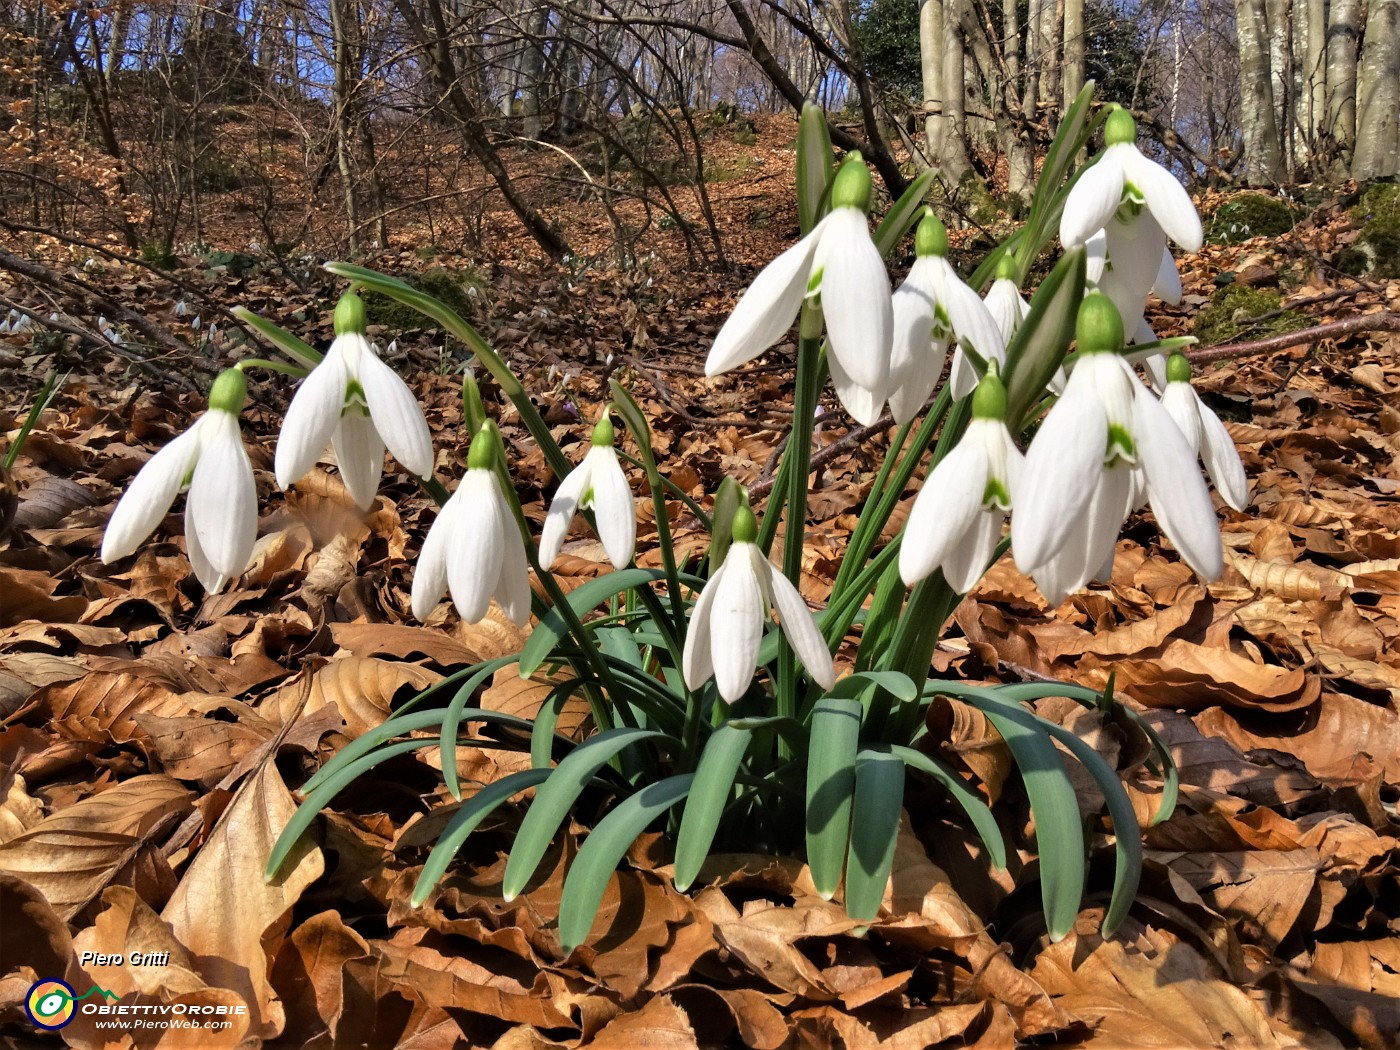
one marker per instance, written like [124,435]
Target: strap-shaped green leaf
[831,774]
[303,354]
[815,162]
[898,684]
[556,797]
[554,626]
[451,720]
[329,788]
[1059,835]
[1127,837]
[712,791]
[1039,345]
[543,737]
[879,797]
[903,213]
[977,811]
[604,848]
[466,820]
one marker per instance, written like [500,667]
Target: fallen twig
[1387,321]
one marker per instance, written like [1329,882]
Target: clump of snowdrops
[709,718]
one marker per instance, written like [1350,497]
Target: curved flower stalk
[597,484]
[933,309]
[1205,434]
[726,624]
[957,518]
[1079,478]
[357,404]
[221,512]
[837,266]
[474,548]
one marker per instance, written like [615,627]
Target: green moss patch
[1376,250]
[452,287]
[1251,215]
[1234,311]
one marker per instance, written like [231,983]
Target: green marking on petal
[1121,447]
[996,495]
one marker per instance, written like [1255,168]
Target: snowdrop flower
[1120,186]
[956,521]
[1003,300]
[932,309]
[726,625]
[475,549]
[221,511]
[1105,440]
[1205,434]
[599,484]
[839,266]
[356,403]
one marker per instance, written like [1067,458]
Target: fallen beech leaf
[1294,582]
[1262,891]
[129,925]
[362,689]
[19,811]
[1191,676]
[71,856]
[104,706]
[659,1025]
[224,911]
[307,974]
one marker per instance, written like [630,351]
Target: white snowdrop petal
[148,497]
[210,578]
[1167,285]
[1167,199]
[430,571]
[855,296]
[614,508]
[397,415]
[860,401]
[967,561]
[476,551]
[798,624]
[944,509]
[767,309]
[1176,490]
[311,419]
[1135,252]
[1222,459]
[697,667]
[512,587]
[562,510]
[1180,402]
[1093,199]
[223,501]
[736,623]
[1006,307]
[916,358]
[359,452]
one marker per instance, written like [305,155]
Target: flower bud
[349,314]
[989,400]
[931,238]
[1098,328]
[744,528]
[1178,369]
[852,186]
[229,392]
[1120,127]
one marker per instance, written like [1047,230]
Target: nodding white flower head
[1124,185]
[838,265]
[1205,434]
[1003,300]
[726,624]
[221,511]
[957,518]
[933,308]
[474,548]
[356,403]
[597,484]
[1106,441]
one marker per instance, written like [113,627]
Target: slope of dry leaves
[151,737]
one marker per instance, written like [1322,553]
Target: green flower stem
[435,489]
[851,565]
[272,366]
[675,490]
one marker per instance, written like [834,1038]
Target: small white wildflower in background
[356,403]
[837,262]
[474,548]
[597,484]
[221,512]
[1003,300]
[726,625]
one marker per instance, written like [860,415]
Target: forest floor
[152,736]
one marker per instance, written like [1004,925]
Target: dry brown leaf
[307,974]
[1191,676]
[74,854]
[1294,582]
[104,706]
[659,1025]
[362,689]
[1262,891]
[225,912]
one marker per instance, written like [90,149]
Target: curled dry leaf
[362,689]
[1192,676]
[73,855]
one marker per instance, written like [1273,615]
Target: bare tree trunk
[1314,68]
[1074,51]
[1343,34]
[1263,158]
[1378,94]
[931,69]
[344,132]
[954,160]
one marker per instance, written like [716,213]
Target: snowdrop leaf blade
[311,419]
[397,415]
[801,631]
[903,213]
[1044,336]
[147,500]
[767,309]
[815,163]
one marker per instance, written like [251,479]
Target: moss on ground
[1233,311]
[452,287]
[1376,250]
[1251,215]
